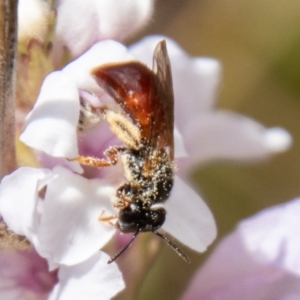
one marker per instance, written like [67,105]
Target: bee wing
[146,96]
[162,69]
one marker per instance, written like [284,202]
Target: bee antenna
[173,246]
[124,248]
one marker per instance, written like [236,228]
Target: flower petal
[231,273]
[226,135]
[273,236]
[24,275]
[107,51]
[91,279]
[79,26]
[70,229]
[188,218]
[18,199]
[51,125]
[180,150]
[49,162]
[195,80]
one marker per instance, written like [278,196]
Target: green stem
[8,41]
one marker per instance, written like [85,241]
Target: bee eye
[127,189]
[124,189]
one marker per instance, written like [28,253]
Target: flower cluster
[58,207]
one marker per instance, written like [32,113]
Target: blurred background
[258,45]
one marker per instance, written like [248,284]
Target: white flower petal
[103,52]
[180,150]
[195,83]
[91,279]
[80,25]
[226,135]
[51,125]
[195,80]
[273,236]
[277,139]
[70,230]
[49,162]
[18,199]
[188,218]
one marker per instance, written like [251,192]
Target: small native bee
[146,128]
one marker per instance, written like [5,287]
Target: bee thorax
[148,187]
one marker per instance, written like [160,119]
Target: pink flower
[64,225]
[81,24]
[210,134]
[91,279]
[51,128]
[69,241]
[260,260]
[24,275]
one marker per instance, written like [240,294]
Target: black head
[133,225]
[139,217]
[136,218]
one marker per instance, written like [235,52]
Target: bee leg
[122,203]
[108,218]
[125,130]
[112,158]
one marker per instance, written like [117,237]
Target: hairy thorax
[149,185]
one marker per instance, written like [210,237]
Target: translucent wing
[162,69]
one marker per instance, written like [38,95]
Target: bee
[146,128]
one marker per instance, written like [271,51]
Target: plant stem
[8,41]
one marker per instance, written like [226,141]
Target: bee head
[138,217]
